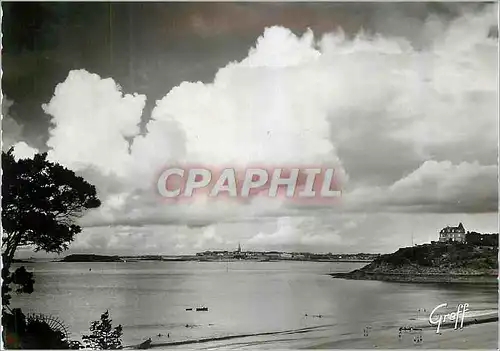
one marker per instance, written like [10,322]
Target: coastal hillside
[451,261]
[90,258]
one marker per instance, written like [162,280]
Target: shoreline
[418,278]
[200,260]
[480,331]
[227,257]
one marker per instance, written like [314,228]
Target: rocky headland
[432,263]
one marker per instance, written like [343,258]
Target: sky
[400,98]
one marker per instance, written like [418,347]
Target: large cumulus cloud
[409,129]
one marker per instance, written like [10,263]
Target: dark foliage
[454,255]
[20,332]
[478,239]
[103,336]
[22,279]
[40,202]
[39,335]
[91,258]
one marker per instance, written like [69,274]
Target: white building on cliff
[452,234]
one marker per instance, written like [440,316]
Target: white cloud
[209,238]
[408,129]
[23,150]
[296,232]
[92,119]
[468,186]
[433,187]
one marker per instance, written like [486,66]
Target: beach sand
[480,331]
[483,335]
[473,336]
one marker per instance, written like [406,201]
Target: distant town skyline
[400,98]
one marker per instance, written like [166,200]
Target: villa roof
[449,229]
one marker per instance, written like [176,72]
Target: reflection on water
[151,298]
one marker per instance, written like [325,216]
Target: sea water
[282,304]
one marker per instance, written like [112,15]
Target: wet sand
[473,336]
[483,335]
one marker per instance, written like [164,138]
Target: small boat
[202,309]
[189,309]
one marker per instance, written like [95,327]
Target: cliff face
[433,262]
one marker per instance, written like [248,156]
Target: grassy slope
[440,261]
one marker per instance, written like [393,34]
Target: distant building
[275,255]
[238,254]
[452,234]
